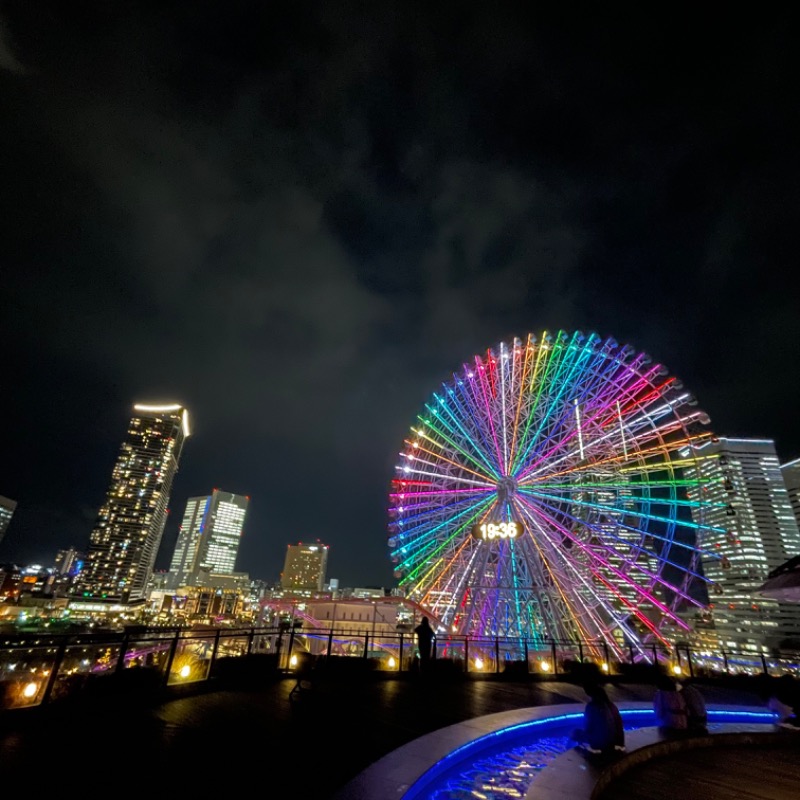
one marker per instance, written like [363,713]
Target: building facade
[209,538]
[791,477]
[7,508]
[305,568]
[124,542]
[756,532]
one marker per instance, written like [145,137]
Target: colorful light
[585,444]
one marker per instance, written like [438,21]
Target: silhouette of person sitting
[603,732]
[425,636]
[669,706]
[696,714]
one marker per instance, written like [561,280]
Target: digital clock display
[490,531]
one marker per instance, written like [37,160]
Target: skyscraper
[791,477]
[6,512]
[305,567]
[757,533]
[126,537]
[209,537]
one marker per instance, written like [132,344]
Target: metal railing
[38,669]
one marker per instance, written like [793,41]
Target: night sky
[298,219]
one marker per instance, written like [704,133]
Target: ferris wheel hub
[506,488]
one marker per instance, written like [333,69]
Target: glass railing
[39,669]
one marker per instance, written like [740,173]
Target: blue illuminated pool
[503,764]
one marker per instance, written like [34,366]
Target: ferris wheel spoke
[604,531]
[459,442]
[624,559]
[580,596]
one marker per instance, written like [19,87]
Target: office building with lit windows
[753,531]
[7,508]
[124,542]
[209,538]
[305,568]
[791,477]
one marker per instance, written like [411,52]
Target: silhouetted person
[696,714]
[669,706]
[782,698]
[424,643]
[602,732]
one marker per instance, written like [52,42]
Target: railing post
[527,661]
[249,640]
[330,643]
[51,678]
[655,657]
[689,659]
[605,656]
[366,646]
[172,650]
[725,662]
[555,661]
[466,654]
[496,654]
[215,649]
[123,648]
[291,647]
[764,664]
[630,650]
[580,651]
[400,654]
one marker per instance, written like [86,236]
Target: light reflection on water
[507,774]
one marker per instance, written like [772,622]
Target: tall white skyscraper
[759,532]
[125,540]
[791,477]
[209,537]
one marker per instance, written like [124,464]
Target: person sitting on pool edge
[602,733]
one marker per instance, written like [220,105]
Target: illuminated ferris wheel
[552,490]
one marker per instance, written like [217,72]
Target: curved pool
[504,763]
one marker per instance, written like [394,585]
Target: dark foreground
[262,739]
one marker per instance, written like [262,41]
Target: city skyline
[299,224]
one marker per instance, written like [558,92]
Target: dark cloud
[299,223]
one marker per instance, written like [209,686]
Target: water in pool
[504,764]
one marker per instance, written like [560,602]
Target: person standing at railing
[425,636]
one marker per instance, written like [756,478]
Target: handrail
[38,668]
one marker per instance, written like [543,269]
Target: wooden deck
[718,773]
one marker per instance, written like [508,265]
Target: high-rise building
[209,537]
[305,567]
[7,508]
[68,562]
[791,477]
[752,532]
[124,542]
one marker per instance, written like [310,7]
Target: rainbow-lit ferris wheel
[552,490]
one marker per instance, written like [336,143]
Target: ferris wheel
[552,490]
